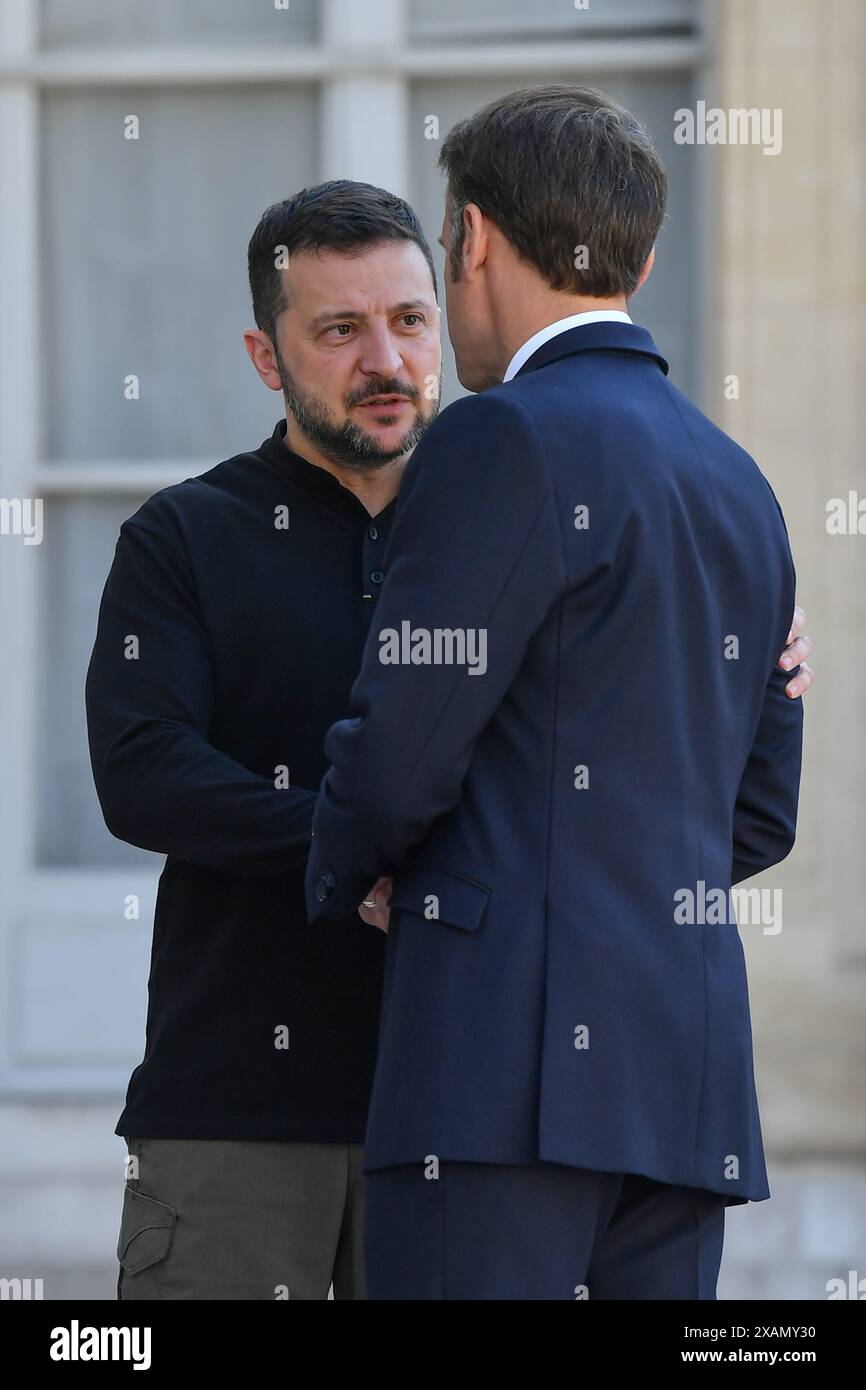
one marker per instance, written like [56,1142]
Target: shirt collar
[316,481]
[552,330]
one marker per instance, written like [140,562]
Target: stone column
[789,297]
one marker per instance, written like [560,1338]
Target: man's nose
[380,355]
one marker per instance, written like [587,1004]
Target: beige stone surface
[791,325]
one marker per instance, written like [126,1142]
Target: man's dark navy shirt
[230,632]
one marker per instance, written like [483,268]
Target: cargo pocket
[146,1233]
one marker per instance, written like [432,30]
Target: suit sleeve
[476,551]
[161,784]
[765,812]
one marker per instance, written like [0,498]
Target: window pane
[144,264]
[113,23]
[667,303]
[500,18]
[76,554]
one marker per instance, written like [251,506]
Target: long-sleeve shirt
[230,632]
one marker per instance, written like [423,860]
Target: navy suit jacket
[548,807]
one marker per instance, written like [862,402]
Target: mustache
[386,386]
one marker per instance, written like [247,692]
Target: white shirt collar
[553,330]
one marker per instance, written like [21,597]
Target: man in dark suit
[569,736]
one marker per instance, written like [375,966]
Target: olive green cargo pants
[224,1219]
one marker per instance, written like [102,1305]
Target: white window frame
[363,65]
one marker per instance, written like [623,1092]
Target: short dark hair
[557,168]
[337,216]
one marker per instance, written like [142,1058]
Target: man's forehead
[388,273]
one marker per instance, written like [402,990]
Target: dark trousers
[538,1231]
[219,1219]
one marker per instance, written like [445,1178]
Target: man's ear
[648,265]
[263,358]
[475,239]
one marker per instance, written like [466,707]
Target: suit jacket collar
[595,337]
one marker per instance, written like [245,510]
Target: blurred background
[126,256]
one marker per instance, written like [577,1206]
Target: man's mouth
[384,403]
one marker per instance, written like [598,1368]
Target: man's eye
[338,329]
[416,317]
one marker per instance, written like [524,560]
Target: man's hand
[380,894]
[795,653]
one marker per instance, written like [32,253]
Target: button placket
[373,575]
